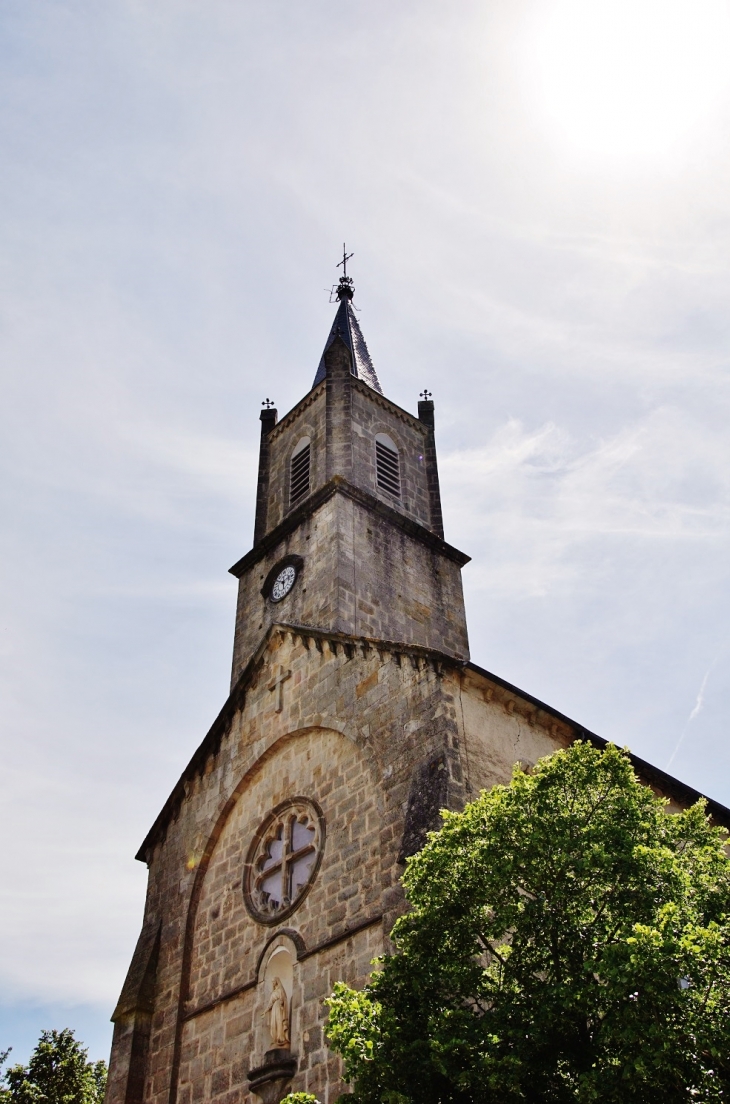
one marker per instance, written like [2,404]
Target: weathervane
[267,403]
[426,395]
[346,288]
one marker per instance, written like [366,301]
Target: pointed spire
[347,328]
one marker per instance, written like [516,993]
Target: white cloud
[541,497]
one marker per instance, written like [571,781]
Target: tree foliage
[567,941]
[57,1073]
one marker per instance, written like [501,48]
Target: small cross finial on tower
[267,403]
[426,395]
[346,288]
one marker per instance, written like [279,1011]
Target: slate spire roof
[347,327]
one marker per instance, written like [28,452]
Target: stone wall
[373,414]
[307,419]
[356,725]
[361,575]
[317,763]
[501,728]
[221,1045]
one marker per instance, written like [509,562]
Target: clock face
[283,583]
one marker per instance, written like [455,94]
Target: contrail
[695,713]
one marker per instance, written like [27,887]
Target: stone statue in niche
[277,1011]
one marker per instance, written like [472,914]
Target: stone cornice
[535,711]
[337,642]
[339,485]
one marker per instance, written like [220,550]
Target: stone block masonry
[355,722]
[360,575]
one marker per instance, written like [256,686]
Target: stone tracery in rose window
[283,860]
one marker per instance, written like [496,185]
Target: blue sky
[537,193]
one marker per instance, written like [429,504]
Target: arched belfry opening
[300,470]
[387,464]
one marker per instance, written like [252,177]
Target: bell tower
[348,535]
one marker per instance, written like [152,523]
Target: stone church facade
[354,716]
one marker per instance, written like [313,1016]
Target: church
[355,714]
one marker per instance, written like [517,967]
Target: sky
[537,195]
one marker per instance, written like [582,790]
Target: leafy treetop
[57,1073]
[567,941]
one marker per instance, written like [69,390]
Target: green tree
[57,1073]
[567,941]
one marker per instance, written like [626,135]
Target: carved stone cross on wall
[277,683]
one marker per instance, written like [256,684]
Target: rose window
[283,860]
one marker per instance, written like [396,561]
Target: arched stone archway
[220,1034]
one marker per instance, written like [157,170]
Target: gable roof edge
[667,783]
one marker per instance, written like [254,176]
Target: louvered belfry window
[300,471]
[387,465]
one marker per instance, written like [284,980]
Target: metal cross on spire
[346,287]
[345,258]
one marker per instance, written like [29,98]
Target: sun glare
[632,79]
